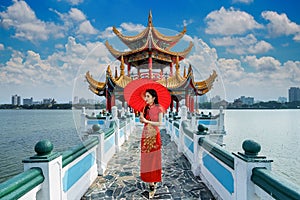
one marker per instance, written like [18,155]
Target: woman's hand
[142,118]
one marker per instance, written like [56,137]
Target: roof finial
[150,19]
[177,64]
[108,70]
[116,73]
[122,66]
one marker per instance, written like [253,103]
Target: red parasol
[134,94]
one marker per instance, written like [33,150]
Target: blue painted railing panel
[122,133]
[208,122]
[109,143]
[92,122]
[177,132]
[222,174]
[73,174]
[189,143]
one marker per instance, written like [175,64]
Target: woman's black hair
[153,93]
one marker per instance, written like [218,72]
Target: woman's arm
[159,123]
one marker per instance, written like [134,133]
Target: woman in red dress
[151,142]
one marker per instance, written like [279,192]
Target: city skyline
[46,48]
[77,99]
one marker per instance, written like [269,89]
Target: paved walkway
[122,179]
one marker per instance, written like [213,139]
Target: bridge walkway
[122,180]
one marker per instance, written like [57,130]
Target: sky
[46,47]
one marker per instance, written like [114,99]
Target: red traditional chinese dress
[151,147]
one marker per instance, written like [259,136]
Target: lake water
[276,130]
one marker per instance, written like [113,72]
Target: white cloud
[187,22]
[86,28]
[242,45]
[242,1]
[107,33]
[22,18]
[280,25]
[57,70]
[130,27]
[59,46]
[76,15]
[264,78]
[1,47]
[76,21]
[263,64]
[75,2]
[230,22]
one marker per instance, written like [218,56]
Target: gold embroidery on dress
[150,139]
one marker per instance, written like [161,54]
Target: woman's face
[149,98]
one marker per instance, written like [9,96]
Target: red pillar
[128,69]
[113,100]
[192,103]
[171,105]
[108,102]
[187,100]
[150,65]
[171,69]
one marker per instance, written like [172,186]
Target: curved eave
[181,54]
[171,40]
[173,82]
[122,81]
[113,51]
[131,41]
[205,86]
[97,92]
[117,54]
[93,83]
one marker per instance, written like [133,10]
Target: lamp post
[132,75]
[166,77]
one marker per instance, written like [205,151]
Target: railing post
[83,123]
[183,114]
[51,165]
[196,157]
[114,114]
[221,127]
[97,132]
[243,165]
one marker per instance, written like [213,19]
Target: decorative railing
[68,175]
[22,186]
[273,184]
[228,175]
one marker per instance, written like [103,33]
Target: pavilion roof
[138,41]
[176,82]
[149,40]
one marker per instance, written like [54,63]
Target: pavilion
[150,54]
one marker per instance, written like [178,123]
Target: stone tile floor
[122,180]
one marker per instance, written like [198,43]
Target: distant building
[47,101]
[16,100]
[282,99]
[91,101]
[28,102]
[36,103]
[202,99]
[82,101]
[247,100]
[216,99]
[76,100]
[294,94]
